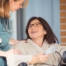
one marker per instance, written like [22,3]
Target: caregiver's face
[35,29]
[15,4]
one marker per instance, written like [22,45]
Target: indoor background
[53,11]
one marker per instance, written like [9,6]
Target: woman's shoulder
[57,45]
[21,44]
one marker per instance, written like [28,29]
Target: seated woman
[39,38]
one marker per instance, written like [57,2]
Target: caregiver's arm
[14,41]
[2,53]
[11,51]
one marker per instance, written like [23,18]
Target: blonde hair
[4,7]
[25,3]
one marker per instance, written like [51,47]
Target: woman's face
[15,5]
[36,30]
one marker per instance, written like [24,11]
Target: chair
[23,64]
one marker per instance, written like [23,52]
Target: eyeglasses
[36,25]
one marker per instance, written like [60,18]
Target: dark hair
[49,37]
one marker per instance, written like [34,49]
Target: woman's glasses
[35,24]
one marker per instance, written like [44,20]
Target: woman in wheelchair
[39,38]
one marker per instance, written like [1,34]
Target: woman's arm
[62,51]
[15,59]
[39,58]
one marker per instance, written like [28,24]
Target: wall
[48,9]
[63,21]
[13,24]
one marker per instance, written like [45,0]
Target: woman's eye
[30,26]
[36,24]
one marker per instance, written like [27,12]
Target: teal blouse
[4,45]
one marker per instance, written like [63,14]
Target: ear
[45,32]
[25,3]
[10,1]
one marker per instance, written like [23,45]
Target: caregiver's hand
[12,51]
[14,42]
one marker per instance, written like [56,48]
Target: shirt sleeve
[15,60]
[61,49]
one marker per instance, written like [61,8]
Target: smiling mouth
[33,32]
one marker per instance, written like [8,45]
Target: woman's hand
[39,58]
[42,58]
[12,51]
